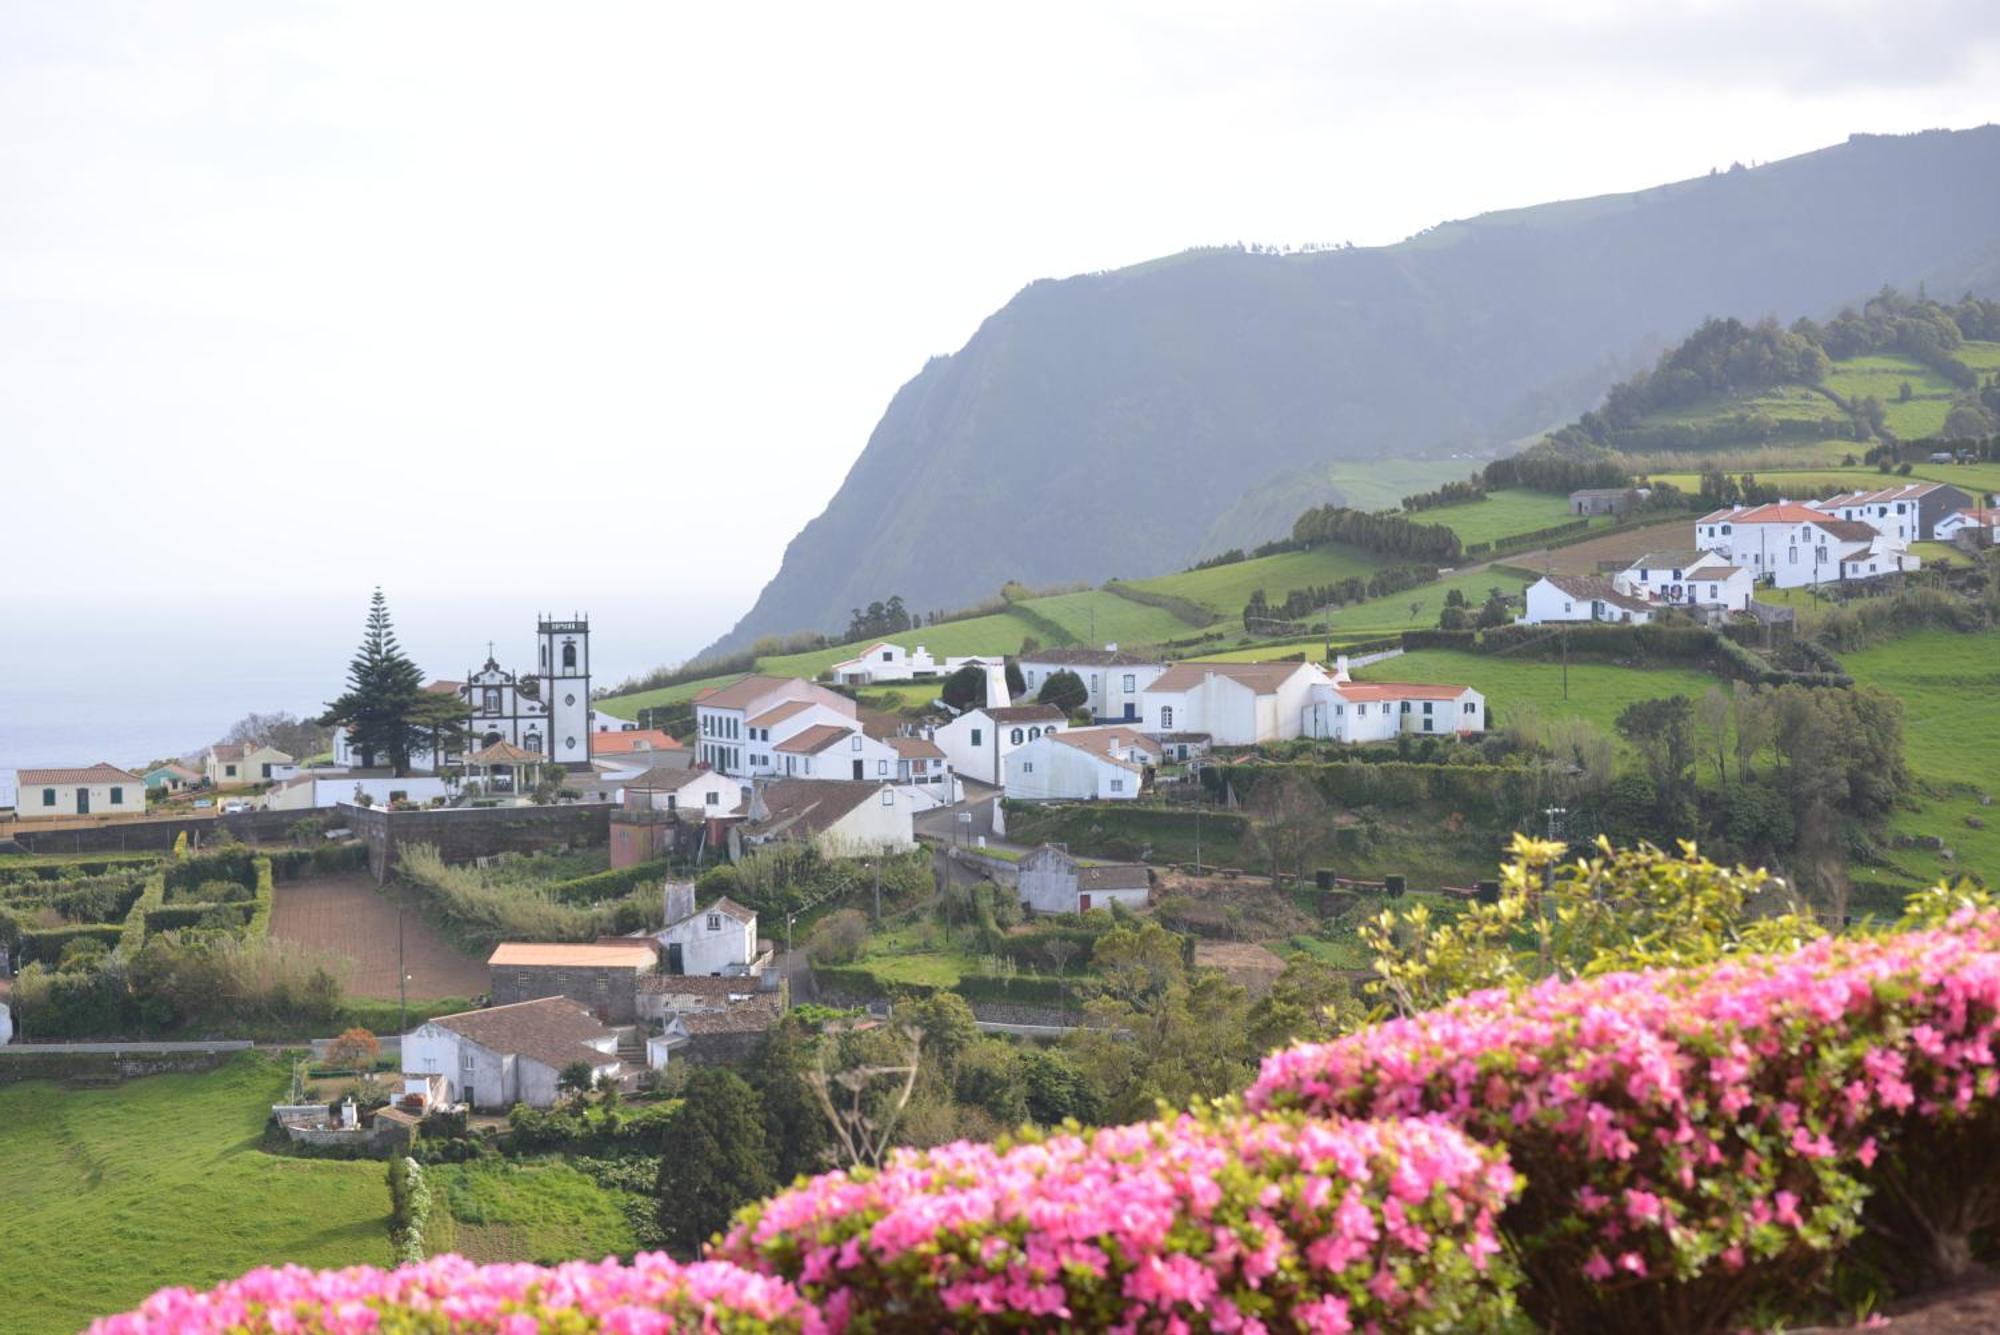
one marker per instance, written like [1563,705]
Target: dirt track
[347,916]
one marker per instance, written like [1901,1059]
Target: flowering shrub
[652,1296]
[1694,1140]
[1198,1222]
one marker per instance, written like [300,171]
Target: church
[546,711]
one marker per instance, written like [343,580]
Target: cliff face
[1102,425]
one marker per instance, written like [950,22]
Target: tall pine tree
[713,1158]
[385,709]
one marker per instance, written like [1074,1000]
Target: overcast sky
[601,300]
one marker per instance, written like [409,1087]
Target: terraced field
[1227,588]
[1096,617]
[1503,514]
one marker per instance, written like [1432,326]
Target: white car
[234,808]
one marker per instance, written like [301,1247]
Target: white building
[1116,681]
[719,941]
[503,1055]
[1051,881]
[1555,598]
[922,763]
[739,726]
[672,788]
[239,764]
[837,751]
[1236,704]
[1972,519]
[1906,513]
[1794,545]
[1080,765]
[838,816]
[1687,580]
[315,789]
[976,743]
[6,1025]
[885,662]
[94,790]
[1344,710]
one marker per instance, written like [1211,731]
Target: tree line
[1388,534]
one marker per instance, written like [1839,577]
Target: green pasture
[1501,515]
[1098,617]
[1228,588]
[538,1210]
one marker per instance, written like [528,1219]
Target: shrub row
[1181,609]
[180,917]
[858,980]
[1734,660]
[133,934]
[1465,641]
[409,1209]
[1519,542]
[45,945]
[1479,790]
[598,887]
[1695,1140]
[259,920]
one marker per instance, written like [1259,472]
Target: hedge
[45,944]
[259,923]
[225,864]
[859,980]
[180,917]
[1481,791]
[1181,609]
[605,885]
[1464,641]
[133,935]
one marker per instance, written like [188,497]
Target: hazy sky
[588,301]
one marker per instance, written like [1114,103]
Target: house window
[1711,591]
[888,797]
[1118,785]
[854,743]
[229,771]
[888,656]
[267,774]
[1131,683]
[1339,710]
[1033,733]
[569,655]
[1406,706]
[1093,682]
[975,737]
[492,699]
[465,1062]
[117,797]
[881,767]
[1795,555]
[1015,737]
[48,797]
[1725,528]
[1471,707]
[715,922]
[1427,707]
[1166,716]
[1027,767]
[713,799]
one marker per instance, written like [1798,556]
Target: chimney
[996,686]
[756,810]
[1340,667]
[680,900]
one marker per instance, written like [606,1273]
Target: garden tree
[864,1079]
[878,619]
[1290,822]
[990,1078]
[1712,726]
[964,689]
[1662,731]
[1454,618]
[1751,711]
[1605,911]
[1758,820]
[1454,598]
[1967,419]
[576,1078]
[385,709]
[1017,685]
[356,1049]
[1309,1002]
[296,737]
[1055,1090]
[839,937]
[795,1128]
[1065,690]
[713,1158]
[946,1028]
[1494,611]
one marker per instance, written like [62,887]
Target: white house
[1051,881]
[1906,513]
[1236,704]
[837,751]
[1344,710]
[671,788]
[1116,681]
[1687,579]
[883,662]
[838,816]
[503,1055]
[1795,545]
[976,743]
[94,790]
[236,764]
[922,762]
[720,940]
[738,726]
[1972,519]
[1082,764]
[6,1025]
[1555,598]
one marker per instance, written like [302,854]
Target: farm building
[503,1055]
[1051,881]
[602,976]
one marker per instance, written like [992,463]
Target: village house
[1907,513]
[738,727]
[1794,545]
[1580,598]
[977,742]
[922,762]
[1081,764]
[1115,681]
[94,790]
[1687,580]
[239,764]
[1981,522]
[839,817]
[172,777]
[1181,747]
[720,940]
[836,751]
[885,662]
[602,976]
[697,789]
[1051,881]
[1345,710]
[1236,704]
[630,744]
[503,1055]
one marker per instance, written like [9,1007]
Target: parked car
[235,807]
[203,803]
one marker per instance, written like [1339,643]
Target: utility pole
[788,958]
[402,977]
[1565,662]
[878,892]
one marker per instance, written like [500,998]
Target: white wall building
[672,788]
[1795,546]
[1554,598]
[1051,881]
[503,1055]
[720,940]
[738,726]
[838,816]
[314,789]
[1378,711]
[977,741]
[1906,513]
[93,790]
[1116,681]
[239,764]
[1973,519]
[1081,765]
[1687,580]
[1236,704]
[837,751]
[885,662]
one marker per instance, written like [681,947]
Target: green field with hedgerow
[1226,588]
[1501,515]
[109,1194]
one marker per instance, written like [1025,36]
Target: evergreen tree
[795,1126]
[385,709]
[713,1159]
[1065,690]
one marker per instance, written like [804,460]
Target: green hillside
[1502,514]
[1098,616]
[1227,588]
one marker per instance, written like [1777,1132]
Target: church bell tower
[563,664]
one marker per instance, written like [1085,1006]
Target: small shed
[1051,881]
[1590,501]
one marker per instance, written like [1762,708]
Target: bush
[1694,1140]
[607,885]
[1065,690]
[839,937]
[1200,1222]
[653,1293]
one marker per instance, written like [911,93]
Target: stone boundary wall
[138,836]
[464,833]
[30,1063]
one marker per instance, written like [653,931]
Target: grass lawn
[1784,403]
[1597,691]
[538,1210]
[113,1193]
[1883,374]
[908,954]
[1979,356]
[1097,617]
[1228,588]
[1501,515]
[1951,735]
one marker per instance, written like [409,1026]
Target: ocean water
[134,681]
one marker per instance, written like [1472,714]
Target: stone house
[601,976]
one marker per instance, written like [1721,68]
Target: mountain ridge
[1101,425]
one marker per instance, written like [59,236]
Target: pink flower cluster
[1199,1222]
[1708,1126]
[652,1296]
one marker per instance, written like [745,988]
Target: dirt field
[349,917]
[1621,545]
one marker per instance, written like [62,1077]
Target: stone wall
[32,1062]
[138,836]
[611,994]
[461,834]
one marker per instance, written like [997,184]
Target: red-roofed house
[1345,710]
[1794,545]
[92,790]
[1973,519]
[609,745]
[739,727]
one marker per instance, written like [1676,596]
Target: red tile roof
[626,742]
[1398,690]
[1262,678]
[811,741]
[1784,512]
[98,773]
